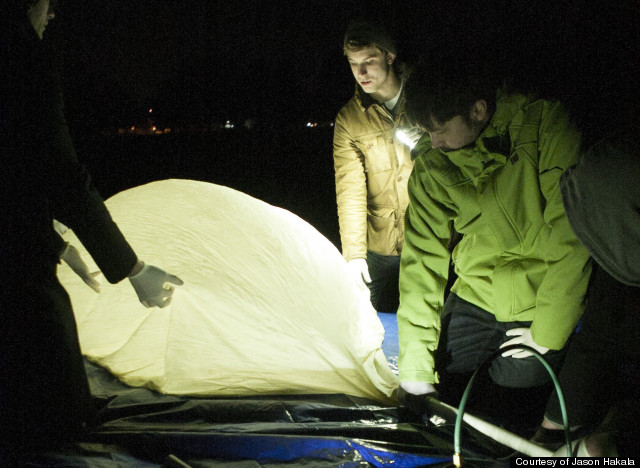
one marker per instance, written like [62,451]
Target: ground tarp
[138,427]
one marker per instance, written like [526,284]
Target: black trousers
[384,271]
[471,334]
[512,391]
[603,362]
[44,393]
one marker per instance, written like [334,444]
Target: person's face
[371,68]
[40,13]
[457,133]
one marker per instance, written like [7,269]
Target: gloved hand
[522,337]
[71,256]
[153,286]
[359,271]
[409,136]
[417,388]
[59,227]
[413,395]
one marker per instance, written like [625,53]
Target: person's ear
[479,111]
[390,58]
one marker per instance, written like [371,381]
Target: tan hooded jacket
[372,168]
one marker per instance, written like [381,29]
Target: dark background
[199,63]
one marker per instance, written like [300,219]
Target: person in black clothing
[44,394]
[600,375]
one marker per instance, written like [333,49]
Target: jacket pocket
[377,154]
[514,286]
[382,231]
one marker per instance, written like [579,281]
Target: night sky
[276,61]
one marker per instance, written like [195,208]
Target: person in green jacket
[490,171]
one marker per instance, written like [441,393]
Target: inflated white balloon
[267,307]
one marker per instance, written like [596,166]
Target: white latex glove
[153,286]
[409,136]
[418,388]
[522,337]
[59,227]
[414,395]
[359,271]
[71,256]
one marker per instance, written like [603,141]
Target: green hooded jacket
[518,258]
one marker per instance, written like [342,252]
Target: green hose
[485,364]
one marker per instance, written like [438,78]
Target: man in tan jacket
[372,166]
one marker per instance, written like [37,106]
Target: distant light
[133,128]
[308,124]
[150,111]
[153,128]
[228,124]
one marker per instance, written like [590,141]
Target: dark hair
[362,33]
[26,4]
[30,3]
[439,90]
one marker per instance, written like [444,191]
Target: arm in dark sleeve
[75,200]
[61,245]
[601,196]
